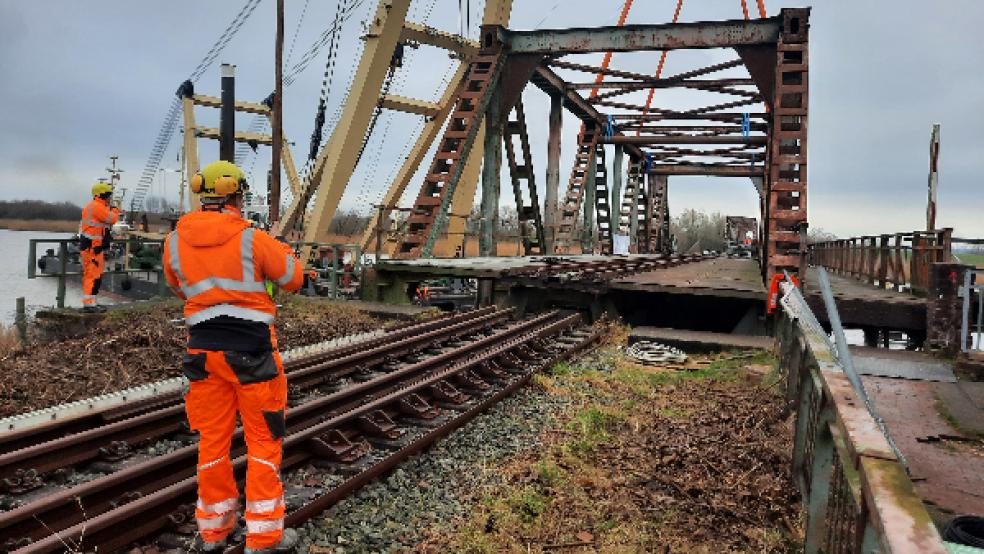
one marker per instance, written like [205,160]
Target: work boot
[288,542]
[90,309]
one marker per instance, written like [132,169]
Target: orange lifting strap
[662,57]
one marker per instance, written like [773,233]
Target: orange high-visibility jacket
[218,263]
[97,216]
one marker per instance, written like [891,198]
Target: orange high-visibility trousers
[93,266]
[222,383]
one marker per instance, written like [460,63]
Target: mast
[277,123]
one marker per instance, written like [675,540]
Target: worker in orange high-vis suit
[98,218]
[220,265]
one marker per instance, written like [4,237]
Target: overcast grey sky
[82,80]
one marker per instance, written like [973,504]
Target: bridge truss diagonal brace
[416,156]
[337,160]
[520,170]
[430,212]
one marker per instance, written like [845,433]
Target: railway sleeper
[415,406]
[379,424]
[336,447]
[414,409]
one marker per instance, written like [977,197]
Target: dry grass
[9,341]
[140,344]
[55,226]
[644,460]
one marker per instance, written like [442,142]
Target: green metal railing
[336,272]
[63,254]
[856,492]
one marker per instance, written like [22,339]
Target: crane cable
[326,81]
[662,57]
[171,118]
[662,61]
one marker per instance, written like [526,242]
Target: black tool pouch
[251,367]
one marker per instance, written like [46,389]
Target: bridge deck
[864,305]
[727,277]
[860,304]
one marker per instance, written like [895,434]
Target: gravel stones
[429,490]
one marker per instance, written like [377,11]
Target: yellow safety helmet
[219,179]
[101,188]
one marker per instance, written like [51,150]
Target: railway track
[87,419]
[414,386]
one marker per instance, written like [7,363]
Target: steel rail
[78,505]
[61,428]
[142,517]
[80,447]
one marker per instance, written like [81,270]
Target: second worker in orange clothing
[97,221]
[220,265]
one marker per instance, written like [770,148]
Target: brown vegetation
[141,344]
[9,341]
[644,460]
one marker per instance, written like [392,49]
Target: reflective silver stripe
[246,252]
[229,310]
[226,505]
[264,526]
[289,274]
[109,218]
[210,283]
[264,462]
[247,283]
[93,237]
[264,506]
[210,464]
[207,523]
[172,248]
[88,297]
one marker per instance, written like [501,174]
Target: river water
[40,292]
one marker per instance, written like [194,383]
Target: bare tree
[693,226]
[818,234]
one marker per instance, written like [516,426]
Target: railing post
[62,260]
[20,320]
[898,265]
[883,261]
[32,258]
[334,271]
[944,242]
[917,263]
[821,475]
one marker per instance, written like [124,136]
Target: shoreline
[46,225]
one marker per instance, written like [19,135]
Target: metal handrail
[856,493]
[63,273]
[972,336]
[899,260]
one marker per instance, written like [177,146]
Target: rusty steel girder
[702,34]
